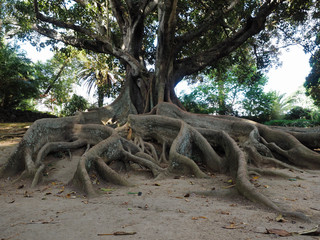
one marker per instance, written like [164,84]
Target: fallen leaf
[157,184]
[21,186]
[292,179]
[311,232]
[317,209]
[280,218]
[135,193]
[230,186]
[106,189]
[116,233]
[27,195]
[187,195]
[255,177]
[61,191]
[266,186]
[197,218]
[232,226]
[129,136]
[225,213]
[279,232]
[288,199]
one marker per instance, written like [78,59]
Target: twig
[117,234]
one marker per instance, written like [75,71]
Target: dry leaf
[129,136]
[311,232]
[279,232]
[27,195]
[280,218]
[225,213]
[197,218]
[255,177]
[230,186]
[231,226]
[116,233]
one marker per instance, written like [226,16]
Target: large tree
[159,42]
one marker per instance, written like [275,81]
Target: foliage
[312,83]
[76,104]
[298,113]
[101,71]
[259,105]
[293,123]
[56,77]
[16,77]
[238,91]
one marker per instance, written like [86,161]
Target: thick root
[168,141]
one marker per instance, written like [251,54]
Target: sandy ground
[166,209]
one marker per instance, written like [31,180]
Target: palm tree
[100,71]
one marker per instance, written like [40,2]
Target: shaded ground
[166,209]
[14,115]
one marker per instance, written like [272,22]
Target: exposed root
[167,141]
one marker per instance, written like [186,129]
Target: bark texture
[167,141]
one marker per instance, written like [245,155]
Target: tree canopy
[161,42]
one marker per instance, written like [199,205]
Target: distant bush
[293,123]
[77,103]
[298,113]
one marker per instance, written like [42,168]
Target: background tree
[16,77]
[312,82]
[75,104]
[237,91]
[100,71]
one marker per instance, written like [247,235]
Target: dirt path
[166,209]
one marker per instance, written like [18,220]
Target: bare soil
[175,208]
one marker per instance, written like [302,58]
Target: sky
[291,75]
[287,78]
[284,79]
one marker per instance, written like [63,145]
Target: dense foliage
[312,83]
[17,82]
[76,104]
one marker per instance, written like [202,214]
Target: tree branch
[206,25]
[151,5]
[253,26]
[93,45]
[119,13]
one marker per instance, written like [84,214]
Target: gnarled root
[165,141]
